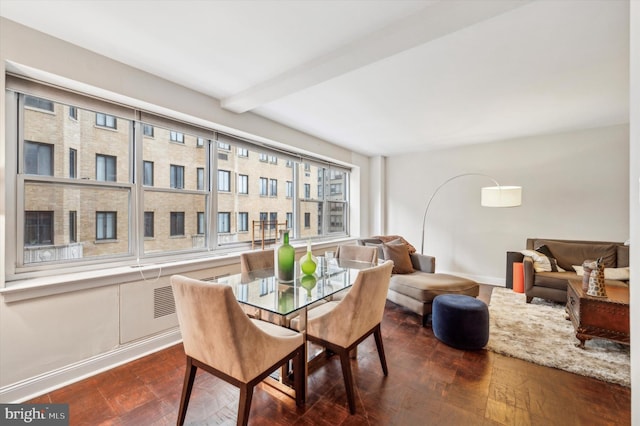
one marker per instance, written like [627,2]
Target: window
[147,130]
[176,137]
[224,222]
[148,224]
[273,218]
[224,183]
[73,226]
[39,103]
[263,186]
[147,171]
[289,163]
[200,178]
[201,223]
[38,228]
[273,186]
[243,222]
[73,163]
[273,159]
[105,120]
[307,190]
[289,220]
[73,112]
[200,142]
[289,189]
[176,176]
[105,168]
[106,225]
[242,152]
[264,216]
[263,157]
[38,158]
[243,184]
[225,146]
[176,224]
[307,167]
[307,220]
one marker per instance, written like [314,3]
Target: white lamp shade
[501,196]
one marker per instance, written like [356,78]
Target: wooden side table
[599,317]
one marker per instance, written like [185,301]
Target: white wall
[575,186]
[44,341]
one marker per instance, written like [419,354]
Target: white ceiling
[379,77]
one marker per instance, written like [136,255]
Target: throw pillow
[552,260]
[399,253]
[621,274]
[542,263]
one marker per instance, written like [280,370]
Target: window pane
[149,224]
[82,203]
[38,228]
[43,104]
[243,222]
[147,179]
[200,179]
[176,224]
[224,224]
[243,184]
[73,163]
[106,228]
[55,135]
[163,203]
[201,223]
[224,183]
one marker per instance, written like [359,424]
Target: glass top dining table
[260,289]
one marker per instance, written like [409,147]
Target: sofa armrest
[423,263]
[529,273]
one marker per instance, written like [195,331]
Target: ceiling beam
[430,23]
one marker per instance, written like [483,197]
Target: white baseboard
[43,383]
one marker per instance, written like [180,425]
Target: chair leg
[383,360]
[244,406]
[189,376]
[299,377]
[348,379]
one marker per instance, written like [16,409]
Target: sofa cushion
[620,274]
[399,254]
[424,286]
[559,280]
[623,256]
[542,263]
[569,254]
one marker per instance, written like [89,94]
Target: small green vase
[308,261]
[286,260]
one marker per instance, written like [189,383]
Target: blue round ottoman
[460,321]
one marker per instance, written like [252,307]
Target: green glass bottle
[286,260]
[308,261]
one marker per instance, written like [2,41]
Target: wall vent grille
[163,302]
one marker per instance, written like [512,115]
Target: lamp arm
[424,218]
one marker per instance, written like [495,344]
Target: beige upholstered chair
[255,260]
[341,325]
[219,338]
[357,253]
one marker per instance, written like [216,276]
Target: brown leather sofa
[567,253]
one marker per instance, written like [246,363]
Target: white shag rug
[540,333]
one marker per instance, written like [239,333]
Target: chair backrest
[254,261]
[358,253]
[359,311]
[217,332]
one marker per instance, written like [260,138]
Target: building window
[201,223]
[307,190]
[224,184]
[73,163]
[176,224]
[176,136]
[224,222]
[148,224]
[264,182]
[106,225]
[289,189]
[263,218]
[243,184]
[73,112]
[273,187]
[289,220]
[243,222]
[263,157]
[225,146]
[39,103]
[200,178]
[105,168]
[105,120]
[38,158]
[147,171]
[38,228]
[289,163]
[307,167]
[307,220]
[176,176]
[242,152]
[273,219]
[147,130]
[273,159]
[200,142]
[73,226]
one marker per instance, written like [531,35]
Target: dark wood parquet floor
[429,383]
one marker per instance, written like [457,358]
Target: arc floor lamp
[490,196]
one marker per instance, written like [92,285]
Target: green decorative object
[285,261]
[308,282]
[308,262]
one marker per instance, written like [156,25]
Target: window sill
[33,288]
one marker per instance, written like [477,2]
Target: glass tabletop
[260,288]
